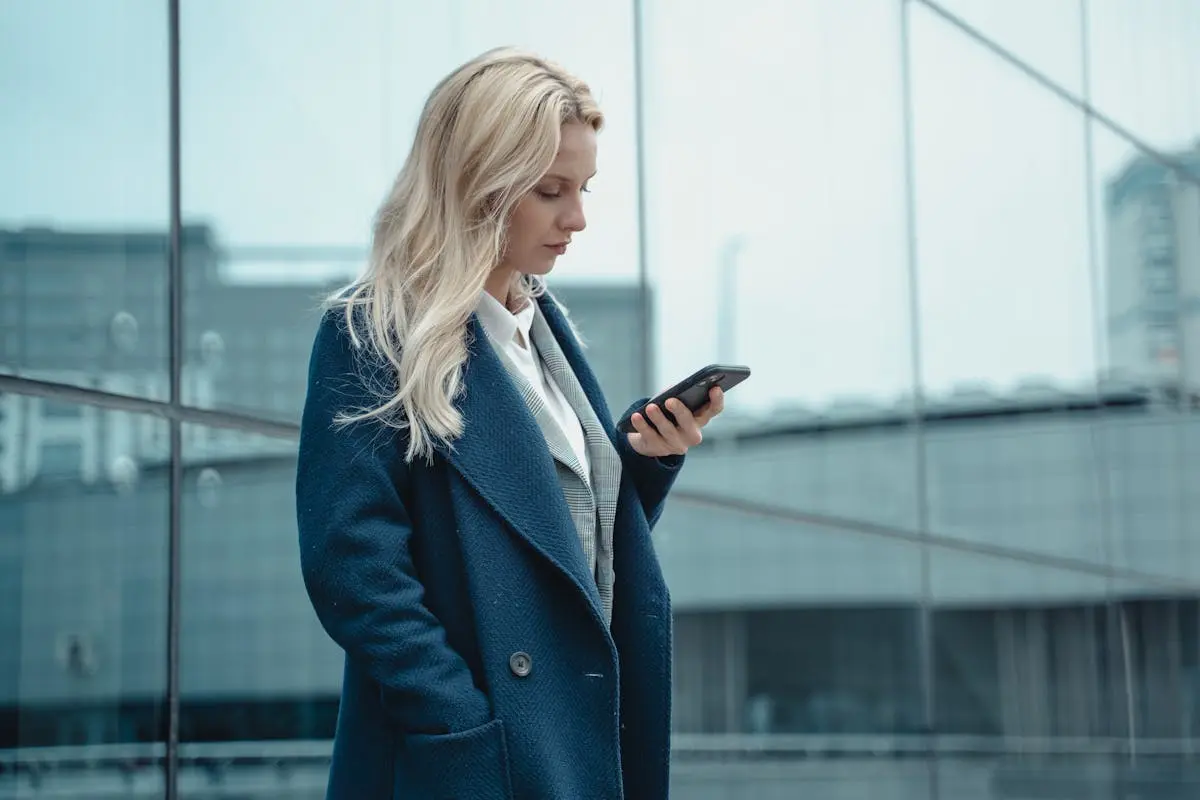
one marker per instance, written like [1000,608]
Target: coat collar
[502,324]
[502,453]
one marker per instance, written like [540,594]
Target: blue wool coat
[478,664]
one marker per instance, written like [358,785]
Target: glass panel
[796,653]
[282,200]
[83,214]
[1046,688]
[724,556]
[1152,461]
[1008,327]
[83,599]
[1146,72]
[1001,217]
[829,709]
[1045,36]
[1025,661]
[256,667]
[840,468]
[284,134]
[776,235]
[799,221]
[1148,245]
[1027,477]
[1159,633]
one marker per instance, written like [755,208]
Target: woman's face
[545,220]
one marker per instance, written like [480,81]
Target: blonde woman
[474,533]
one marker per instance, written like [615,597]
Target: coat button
[520,664]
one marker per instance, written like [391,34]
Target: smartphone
[692,391]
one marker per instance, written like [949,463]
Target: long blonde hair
[487,134]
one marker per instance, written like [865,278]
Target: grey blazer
[591,498]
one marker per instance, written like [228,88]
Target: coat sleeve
[354,549]
[652,477]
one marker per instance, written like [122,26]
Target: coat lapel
[571,350]
[560,448]
[503,456]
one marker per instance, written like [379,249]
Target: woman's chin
[542,267]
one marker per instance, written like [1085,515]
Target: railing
[906,745]
[994,767]
[778,745]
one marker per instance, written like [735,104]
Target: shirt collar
[500,323]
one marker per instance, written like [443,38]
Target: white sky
[780,121]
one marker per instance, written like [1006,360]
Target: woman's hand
[673,440]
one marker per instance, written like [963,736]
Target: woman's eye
[554,194]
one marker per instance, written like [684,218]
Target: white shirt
[511,332]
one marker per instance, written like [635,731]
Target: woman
[473,531]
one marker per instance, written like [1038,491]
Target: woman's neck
[499,285]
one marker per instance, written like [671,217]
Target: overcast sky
[777,121]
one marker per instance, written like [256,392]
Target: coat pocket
[456,766]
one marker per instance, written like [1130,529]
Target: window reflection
[82,215]
[834,671]
[241,583]
[1145,69]
[790,212]
[83,576]
[1045,36]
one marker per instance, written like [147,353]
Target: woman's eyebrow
[564,178]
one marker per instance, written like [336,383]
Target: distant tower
[1153,226]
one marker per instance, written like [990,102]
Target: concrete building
[90,309]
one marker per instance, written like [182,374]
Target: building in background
[89,309]
[1153,225]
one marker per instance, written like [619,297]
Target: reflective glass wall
[944,543]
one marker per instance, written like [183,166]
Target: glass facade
[945,543]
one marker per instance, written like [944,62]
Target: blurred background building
[944,544]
